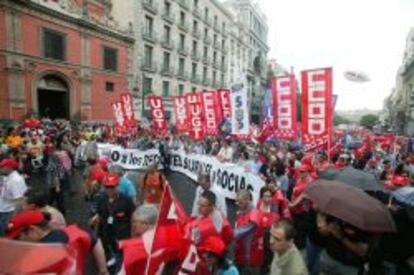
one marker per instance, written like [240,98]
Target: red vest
[297,191]
[255,243]
[135,256]
[80,241]
[206,227]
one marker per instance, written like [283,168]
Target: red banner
[211,120]
[119,117]
[284,104]
[224,108]
[159,121]
[317,108]
[180,113]
[127,106]
[195,116]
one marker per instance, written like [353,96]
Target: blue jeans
[4,221]
[312,256]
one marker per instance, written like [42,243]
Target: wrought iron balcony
[149,35]
[148,66]
[150,6]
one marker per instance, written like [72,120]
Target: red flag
[284,104]
[211,121]
[195,116]
[265,132]
[317,109]
[225,104]
[180,113]
[159,121]
[119,117]
[168,243]
[19,257]
[128,108]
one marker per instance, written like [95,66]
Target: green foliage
[340,120]
[369,121]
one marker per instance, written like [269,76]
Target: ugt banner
[239,112]
[284,104]
[317,107]
[195,116]
[211,120]
[119,117]
[224,107]
[180,113]
[159,121]
[127,106]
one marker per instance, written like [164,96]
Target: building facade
[181,46]
[399,106]
[62,59]
[253,48]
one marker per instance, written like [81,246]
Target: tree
[369,121]
[340,120]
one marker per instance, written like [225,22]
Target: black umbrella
[353,177]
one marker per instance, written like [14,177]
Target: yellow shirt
[14,141]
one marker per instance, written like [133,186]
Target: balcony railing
[149,66]
[167,70]
[216,64]
[207,20]
[206,60]
[197,13]
[183,26]
[206,82]
[207,40]
[217,45]
[195,79]
[216,28]
[215,84]
[167,44]
[184,4]
[196,33]
[169,17]
[224,49]
[195,56]
[150,6]
[182,75]
[149,35]
[182,51]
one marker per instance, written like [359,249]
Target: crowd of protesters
[282,233]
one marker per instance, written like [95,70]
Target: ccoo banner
[317,108]
[284,103]
[211,120]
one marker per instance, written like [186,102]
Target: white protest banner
[239,112]
[134,159]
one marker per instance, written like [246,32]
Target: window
[182,18]
[206,13]
[147,85]
[167,6]
[148,25]
[223,43]
[181,66]
[167,32]
[195,26]
[149,2]
[109,86]
[165,88]
[223,27]
[54,45]
[214,77]
[180,89]
[223,60]
[205,32]
[215,39]
[193,89]
[205,53]
[166,62]
[194,70]
[194,50]
[182,41]
[110,59]
[215,21]
[215,57]
[195,3]
[205,74]
[148,56]
[222,80]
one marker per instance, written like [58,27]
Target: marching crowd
[284,232]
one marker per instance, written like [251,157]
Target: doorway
[53,98]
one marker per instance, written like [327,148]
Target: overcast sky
[364,35]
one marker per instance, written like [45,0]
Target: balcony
[195,79]
[207,20]
[217,45]
[206,60]
[183,26]
[182,75]
[215,84]
[167,70]
[197,13]
[150,7]
[150,67]
[149,36]
[196,33]
[206,82]
[167,44]
[195,56]
[182,51]
[169,17]
[184,4]
[223,67]
[217,28]
[224,49]
[207,40]
[216,65]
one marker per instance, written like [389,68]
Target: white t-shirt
[225,154]
[12,187]
[220,201]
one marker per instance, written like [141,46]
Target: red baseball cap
[111,180]
[98,175]
[23,220]
[213,244]
[400,180]
[10,163]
